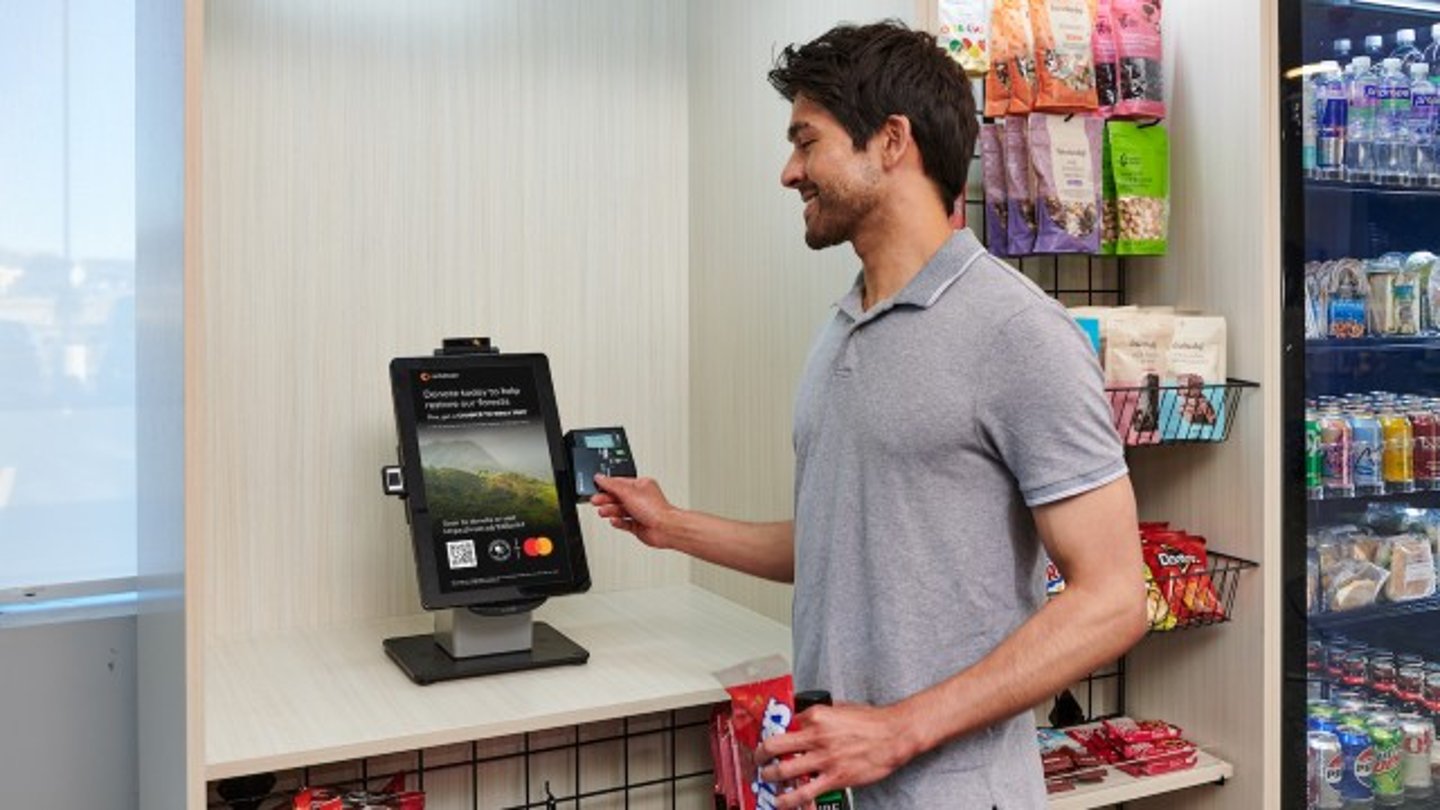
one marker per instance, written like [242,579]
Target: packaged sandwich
[1412,569]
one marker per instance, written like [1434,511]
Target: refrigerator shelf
[1176,414]
[1223,572]
[1410,193]
[1335,620]
[1391,343]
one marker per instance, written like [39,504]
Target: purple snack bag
[1019,189]
[997,212]
[1065,151]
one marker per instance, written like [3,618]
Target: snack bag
[1136,347]
[762,701]
[1022,83]
[965,32]
[1140,167]
[1109,205]
[1064,55]
[1010,85]
[1138,51]
[1102,40]
[1020,225]
[1179,563]
[1192,403]
[1065,152]
[997,212]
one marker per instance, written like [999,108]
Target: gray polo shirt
[925,429]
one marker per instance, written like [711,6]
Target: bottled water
[1405,49]
[1432,51]
[1342,51]
[1360,133]
[1423,112]
[1333,103]
[1375,49]
[1392,132]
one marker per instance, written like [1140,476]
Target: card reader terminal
[605,451]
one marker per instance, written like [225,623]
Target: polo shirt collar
[939,273]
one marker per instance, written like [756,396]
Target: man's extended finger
[782,744]
[805,794]
[787,770]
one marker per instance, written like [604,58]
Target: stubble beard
[838,212]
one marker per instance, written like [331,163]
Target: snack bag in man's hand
[762,700]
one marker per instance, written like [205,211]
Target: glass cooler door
[1361,217]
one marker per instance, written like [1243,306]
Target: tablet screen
[490,517]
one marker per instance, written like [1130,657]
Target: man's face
[839,185]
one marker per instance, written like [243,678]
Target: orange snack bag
[1064,55]
[1010,86]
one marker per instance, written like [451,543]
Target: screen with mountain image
[490,484]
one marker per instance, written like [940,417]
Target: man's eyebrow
[795,129]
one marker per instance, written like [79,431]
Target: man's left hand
[842,746]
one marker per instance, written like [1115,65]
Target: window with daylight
[67,299]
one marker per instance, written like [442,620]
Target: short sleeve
[1043,410]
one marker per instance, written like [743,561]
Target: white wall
[758,295]
[380,176]
[67,696]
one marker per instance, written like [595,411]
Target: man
[950,421]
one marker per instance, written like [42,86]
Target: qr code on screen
[462,554]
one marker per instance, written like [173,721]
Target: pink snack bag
[1139,54]
[1107,82]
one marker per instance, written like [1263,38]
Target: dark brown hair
[865,74]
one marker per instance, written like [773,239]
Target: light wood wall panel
[1220,683]
[758,296]
[379,175]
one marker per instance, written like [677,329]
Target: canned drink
[1355,670]
[1326,769]
[1430,691]
[1357,777]
[1387,776]
[1382,675]
[1367,449]
[1335,445]
[1419,744]
[1410,660]
[1321,715]
[1314,458]
[1314,656]
[1426,429]
[1398,461]
[1410,686]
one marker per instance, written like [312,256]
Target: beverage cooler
[1361,217]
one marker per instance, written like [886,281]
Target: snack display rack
[1223,573]
[1121,787]
[1172,417]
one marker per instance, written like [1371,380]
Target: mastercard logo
[537,547]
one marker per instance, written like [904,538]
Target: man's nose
[792,173]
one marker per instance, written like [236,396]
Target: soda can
[1430,691]
[1357,777]
[1355,670]
[1387,776]
[1321,715]
[1419,744]
[1367,448]
[1426,429]
[1335,440]
[1398,461]
[1410,686]
[1382,675]
[1326,768]
[1314,458]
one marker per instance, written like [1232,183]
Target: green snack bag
[1140,165]
[1109,223]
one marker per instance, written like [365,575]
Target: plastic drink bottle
[1423,111]
[1341,49]
[1360,135]
[1432,51]
[1392,152]
[1333,103]
[1405,49]
[1375,49]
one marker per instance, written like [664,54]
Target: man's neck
[894,250]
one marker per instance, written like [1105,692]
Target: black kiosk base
[487,646]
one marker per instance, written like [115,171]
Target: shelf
[1390,610]
[1120,787]
[1407,193]
[299,699]
[1157,415]
[1374,344]
[1424,496]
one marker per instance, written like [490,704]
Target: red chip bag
[1129,731]
[762,703]
[1179,564]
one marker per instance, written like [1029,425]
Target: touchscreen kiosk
[485,475]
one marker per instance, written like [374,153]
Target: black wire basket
[1191,412]
[1197,598]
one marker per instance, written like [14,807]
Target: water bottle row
[1374,118]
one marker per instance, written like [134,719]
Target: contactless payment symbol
[499,550]
[538,547]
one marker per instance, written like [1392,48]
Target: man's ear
[895,140]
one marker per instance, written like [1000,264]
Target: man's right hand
[638,506]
